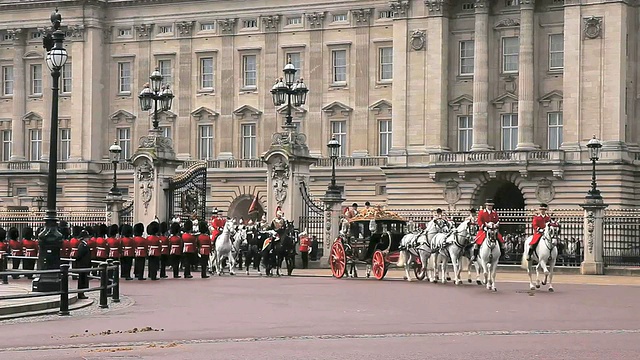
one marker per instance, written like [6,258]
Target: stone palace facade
[435,103]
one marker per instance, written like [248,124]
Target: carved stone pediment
[33,54]
[552,99]
[337,108]
[204,114]
[248,112]
[122,115]
[32,118]
[168,116]
[461,101]
[295,110]
[505,98]
[504,23]
[381,107]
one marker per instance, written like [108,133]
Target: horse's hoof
[232,273]
[448,278]
[478,282]
[405,278]
[544,283]
[532,287]
[470,281]
[551,289]
[247,273]
[495,290]
[537,286]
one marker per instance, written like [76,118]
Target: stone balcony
[495,158]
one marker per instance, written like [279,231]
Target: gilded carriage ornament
[280,179]
[452,192]
[592,27]
[545,191]
[145,177]
[591,220]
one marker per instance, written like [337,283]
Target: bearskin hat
[27,233]
[113,230]
[84,234]
[126,230]
[138,229]
[203,227]
[103,229]
[163,228]
[3,234]
[175,228]
[152,228]
[89,230]
[75,232]
[188,226]
[13,233]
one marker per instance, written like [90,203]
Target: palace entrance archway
[505,195]
[239,208]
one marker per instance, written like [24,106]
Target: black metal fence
[622,237]
[107,272]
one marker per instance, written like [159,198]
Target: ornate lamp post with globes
[114,155]
[334,152]
[151,94]
[287,90]
[594,146]
[50,239]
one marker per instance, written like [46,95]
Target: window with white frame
[7,37]
[465,132]
[7,144]
[555,130]
[339,66]
[339,131]
[468,6]
[166,29]
[206,73]
[250,23]
[166,131]
[467,49]
[510,54]
[556,51]
[339,17]
[296,61]
[205,142]
[66,78]
[249,143]
[385,14]
[7,80]
[64,150]
[36,79]
[385,71]
[384,137]
[164,66]
[294,20]
[124,140]
[35,144]
[249,71]
[509,131]
[207,26]
[124,77]
[124,33]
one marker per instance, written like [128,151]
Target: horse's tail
[524,264]
[402,259]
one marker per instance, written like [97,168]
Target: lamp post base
[50,242]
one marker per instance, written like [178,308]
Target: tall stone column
[593,261]
[184,90]
[313,117]
[399,143]
[333,207]
[19,95]
[525,77]
[359,123]
[481,77]
[224,143]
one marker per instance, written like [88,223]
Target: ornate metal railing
[23,218]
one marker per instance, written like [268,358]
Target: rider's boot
[532,249]
[474,252]
[503,248]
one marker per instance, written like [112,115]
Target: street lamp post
[287,90]
[114,155]
[594,146]
[38,201]
[334,152]
[151,94]
[50,239]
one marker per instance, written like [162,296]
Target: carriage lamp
[287,90]
[334,151]
[594,146]
[115,152]
[155,92]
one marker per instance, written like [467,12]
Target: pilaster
[398,151]
[359,121]
[144,66]
[481,77]
[313,118]
[269,119]
[19,95]
[332,211]
[184,90]
[525,78]
[228,96]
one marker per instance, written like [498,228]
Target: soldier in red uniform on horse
[540,221]
[217,224]
[486,216]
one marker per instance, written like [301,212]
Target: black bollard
[64,290]
[115,295]
[4,263]
[109,276]
[104,281]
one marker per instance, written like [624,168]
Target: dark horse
[252,248]
[282,249]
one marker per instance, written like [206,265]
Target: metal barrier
[108,274]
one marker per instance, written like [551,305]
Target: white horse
[545,254]
[437,231]
[489,255]
[224,247]
[453,248]
[414,246]
[239,237]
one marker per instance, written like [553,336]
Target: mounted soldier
[539,223]
[217,224]
[487,216]
[279,224]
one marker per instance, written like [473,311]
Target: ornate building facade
[435,103]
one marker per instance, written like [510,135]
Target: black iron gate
[125,215]
[312,220]
[187,194]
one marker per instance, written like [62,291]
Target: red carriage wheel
[338,260]
[378,265]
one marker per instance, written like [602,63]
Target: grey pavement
[316,317]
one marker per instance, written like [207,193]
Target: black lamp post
[50,239]
[150,95]
[38,202]
[334,152]
[114,155]
[287,90]
[594,146]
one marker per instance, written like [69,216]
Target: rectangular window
[7,143]
[124,140]
[556,51]
[509,131]
[468,6]
[467,49]
[250,23]
[385,136]
[294,20]
[36,79]
[465,133]
[385,72]
[207,26]
[387,14]
[7,80]
[249,71]
[164,66]
[510,54]
[124,33]
[249,141]
[66,78]
[35,144]
[339,17]
[339,66]
[36,35]
[206,73]
[296,61]
[64,151]
[205,142]
[124,77]
[339,130]
[166,131]
[555,130]
[166,29]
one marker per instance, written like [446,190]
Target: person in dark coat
[83,261]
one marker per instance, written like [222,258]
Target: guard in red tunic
[128,251]
[113,243]
[30,249]
[153,242]
[540,221]
[141,251]
[486,216]
[204,244]
[175,249]
[15,248]
[102,248]
[165,247]
[74,243]
[217,224]
[189,249]
[305,244]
